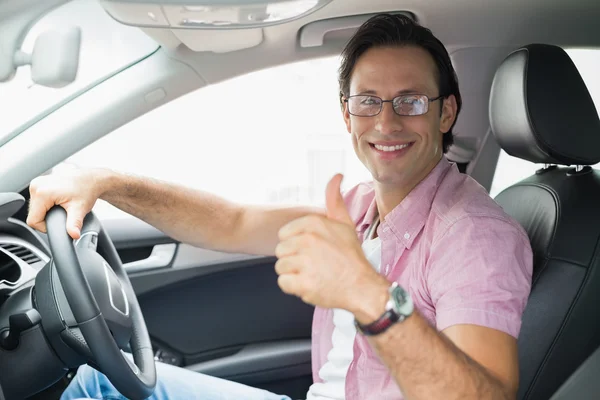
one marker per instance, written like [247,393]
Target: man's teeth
[391,148]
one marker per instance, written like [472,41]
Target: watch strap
[388,319]
[394,313]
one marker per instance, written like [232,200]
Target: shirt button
[386,229]
[407,236]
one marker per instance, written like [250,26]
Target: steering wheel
[103,304]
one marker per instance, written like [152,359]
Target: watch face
[398,308]
[399,296]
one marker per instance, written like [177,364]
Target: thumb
[75,215]
[336,208]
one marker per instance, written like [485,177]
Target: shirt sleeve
[479,272]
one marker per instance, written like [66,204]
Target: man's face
[387,73]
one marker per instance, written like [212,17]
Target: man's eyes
[412,100]
[369,101]
[398,101]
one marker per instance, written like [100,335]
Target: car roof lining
[458,24]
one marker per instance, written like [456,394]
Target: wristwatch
[397,309]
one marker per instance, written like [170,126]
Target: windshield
[106,48]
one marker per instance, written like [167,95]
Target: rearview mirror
[55,57]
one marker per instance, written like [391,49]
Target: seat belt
[584,383]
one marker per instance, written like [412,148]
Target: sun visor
[219,41]
[314,33]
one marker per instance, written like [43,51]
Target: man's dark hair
[391,30]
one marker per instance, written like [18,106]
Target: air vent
[21,252]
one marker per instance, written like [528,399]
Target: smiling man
[419,278]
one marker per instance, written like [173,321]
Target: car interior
[524,99]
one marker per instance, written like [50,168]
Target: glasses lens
[364,106]
[411,104]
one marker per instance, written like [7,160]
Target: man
[427,268]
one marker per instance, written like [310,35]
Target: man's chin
[390,179]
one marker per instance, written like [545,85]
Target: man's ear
[345,113]
[449,109]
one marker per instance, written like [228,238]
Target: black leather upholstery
[558,207]
[584,383]
[541,110]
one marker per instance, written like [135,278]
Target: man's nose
[387,120]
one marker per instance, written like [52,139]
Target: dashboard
[28,363]
[23,251]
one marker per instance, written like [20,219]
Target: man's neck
[388,196]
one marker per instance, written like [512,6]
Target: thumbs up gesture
[320,258]
[336,208]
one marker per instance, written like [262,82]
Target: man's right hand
[76,190]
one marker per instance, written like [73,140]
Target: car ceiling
[459,24]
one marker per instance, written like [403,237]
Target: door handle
[162,255]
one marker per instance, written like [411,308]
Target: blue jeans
[172,383]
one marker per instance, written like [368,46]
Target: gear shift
[9,340]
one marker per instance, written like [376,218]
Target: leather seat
[541,111]
[584,383]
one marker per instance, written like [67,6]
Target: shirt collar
[407,219]
[369,217]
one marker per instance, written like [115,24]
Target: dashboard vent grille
[21,252]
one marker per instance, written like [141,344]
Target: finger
[315,224]
[36,217]
[290,284]
[294,245]
[289,265]
[76,212]
[285,248]
[336,208]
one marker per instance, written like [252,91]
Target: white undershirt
[333,372]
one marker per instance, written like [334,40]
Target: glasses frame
[429,100]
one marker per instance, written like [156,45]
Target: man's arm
[464,362]
[190,216]
[200,218]
[478,276]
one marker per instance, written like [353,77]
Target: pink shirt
[459,255]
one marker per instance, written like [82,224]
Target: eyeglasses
[405,105]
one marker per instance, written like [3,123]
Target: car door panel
[217,313]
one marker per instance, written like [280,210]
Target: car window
[106,47]
[509,169]
[274,136]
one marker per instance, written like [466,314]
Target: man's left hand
[320,257]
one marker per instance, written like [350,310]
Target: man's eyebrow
[398,93]
[366,92]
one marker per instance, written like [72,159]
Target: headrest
[541,110]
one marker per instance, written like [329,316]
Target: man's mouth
[391,148]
